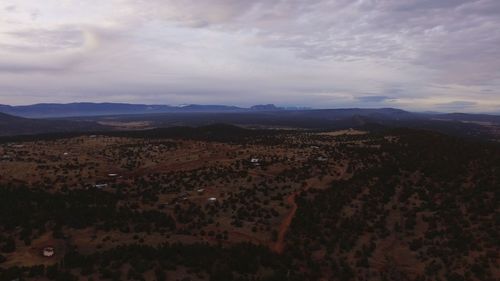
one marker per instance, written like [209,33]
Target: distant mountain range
[86,109]
[92,117]
[55,110]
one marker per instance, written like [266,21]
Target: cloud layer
[414,54]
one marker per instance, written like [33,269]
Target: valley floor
[286,205]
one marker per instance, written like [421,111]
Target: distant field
[349,132]
[139,125]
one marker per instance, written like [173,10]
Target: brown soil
[279,245]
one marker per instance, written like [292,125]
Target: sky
[421,55]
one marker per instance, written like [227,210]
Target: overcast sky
[412,54]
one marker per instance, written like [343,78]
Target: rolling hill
[12,125]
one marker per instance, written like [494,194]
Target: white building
[48,252]
[101,185]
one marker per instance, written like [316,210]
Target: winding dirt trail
[279,245]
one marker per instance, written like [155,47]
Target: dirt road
[279,245]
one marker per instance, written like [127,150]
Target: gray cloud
[374,99]
[456,38]
[456,105]
[10,8]
[42,40]
[413,54]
